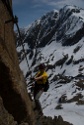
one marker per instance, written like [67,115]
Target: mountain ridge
[58,42]
[61,34]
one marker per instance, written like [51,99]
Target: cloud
[79,3]
[60,3]
[53,3]
[36,5]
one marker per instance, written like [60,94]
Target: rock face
[5,117]
[13,91]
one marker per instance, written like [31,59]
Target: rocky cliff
[14,98]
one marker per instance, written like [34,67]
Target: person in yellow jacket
[40,80]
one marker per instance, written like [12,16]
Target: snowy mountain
[57,39]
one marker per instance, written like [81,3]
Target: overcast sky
[28,11]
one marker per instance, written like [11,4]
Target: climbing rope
[15,21]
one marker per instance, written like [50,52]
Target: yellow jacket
[44,77]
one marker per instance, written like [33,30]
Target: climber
[40,80]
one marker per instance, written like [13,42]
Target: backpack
[46,86]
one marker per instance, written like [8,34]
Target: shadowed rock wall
[12,84]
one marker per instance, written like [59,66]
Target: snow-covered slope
[57,39]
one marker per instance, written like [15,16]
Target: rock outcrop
[13,91]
